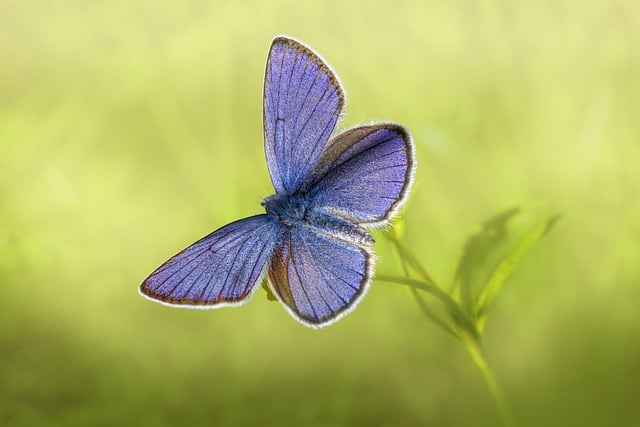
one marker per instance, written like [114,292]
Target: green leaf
[458,317]
[478,250]
[408,259]
[507,266]
[267,289]
[424,307]
[427,311]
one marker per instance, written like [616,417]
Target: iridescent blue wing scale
[319,277]
[219,269]
[364,174]
[303,100]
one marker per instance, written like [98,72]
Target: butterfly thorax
[297,210]
[288,209]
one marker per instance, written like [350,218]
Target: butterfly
[312,242]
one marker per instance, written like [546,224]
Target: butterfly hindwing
[219,269]
[364,174]
[319,277]
[303,100]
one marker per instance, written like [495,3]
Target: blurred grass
[127,131]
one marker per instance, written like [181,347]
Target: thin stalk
[407,255]
[426,310]
[465,324]
[458,316]
[477,355]
[431,315]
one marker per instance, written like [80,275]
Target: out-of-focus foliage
[130,129]
[464,310]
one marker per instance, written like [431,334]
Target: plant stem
[477,355]
[464,324]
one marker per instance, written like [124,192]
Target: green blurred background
[130,129]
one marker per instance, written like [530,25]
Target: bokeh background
[130,129]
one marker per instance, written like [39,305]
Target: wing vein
[224,284]
[194,283]
[304,291]
[322,273]
[314,284]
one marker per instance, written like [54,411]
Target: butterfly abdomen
[329,224]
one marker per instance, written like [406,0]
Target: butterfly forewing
[302,103]
[220,269]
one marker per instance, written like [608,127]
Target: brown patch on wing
[341,143]
[278,274]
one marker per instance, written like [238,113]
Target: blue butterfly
[311,244]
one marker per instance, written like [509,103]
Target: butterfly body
[287,209]
[295,211]
[312,244]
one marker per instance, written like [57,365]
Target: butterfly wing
[219,269]
[319,277]
[303,100]
[364,174]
